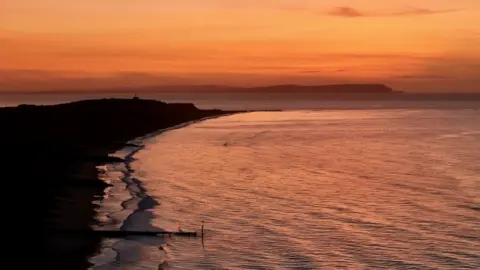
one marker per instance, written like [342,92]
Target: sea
[316,185]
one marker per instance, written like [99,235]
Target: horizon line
[219,88]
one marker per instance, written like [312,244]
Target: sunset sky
[428,45]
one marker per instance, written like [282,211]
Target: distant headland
[336,89]
[319,89]
[283,88]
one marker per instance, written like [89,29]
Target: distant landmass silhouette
[284,88]
[335,89]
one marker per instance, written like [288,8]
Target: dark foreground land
[49,158]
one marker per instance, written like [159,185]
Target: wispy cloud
[311,71]
[423,77]
[346,12]
[420,11]
[325,71]
[351,12]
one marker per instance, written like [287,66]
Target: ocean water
[301,189]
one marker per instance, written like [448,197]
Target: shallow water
[360,189]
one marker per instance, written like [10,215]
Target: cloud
[420,11]
[423,77]
[346,12]
[316,71]
[351,12]
[310,71]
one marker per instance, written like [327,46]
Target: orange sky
[52,44]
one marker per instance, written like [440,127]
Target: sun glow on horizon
[436,46]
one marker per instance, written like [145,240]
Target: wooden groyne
[123,234]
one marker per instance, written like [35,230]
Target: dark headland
[49,158]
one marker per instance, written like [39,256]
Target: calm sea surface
[302,189]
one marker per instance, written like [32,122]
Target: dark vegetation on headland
[49,157]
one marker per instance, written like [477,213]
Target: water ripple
[379,189]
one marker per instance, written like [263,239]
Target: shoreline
[138,146]
[52,153]
[137,194]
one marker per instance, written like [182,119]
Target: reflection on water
[306,190]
